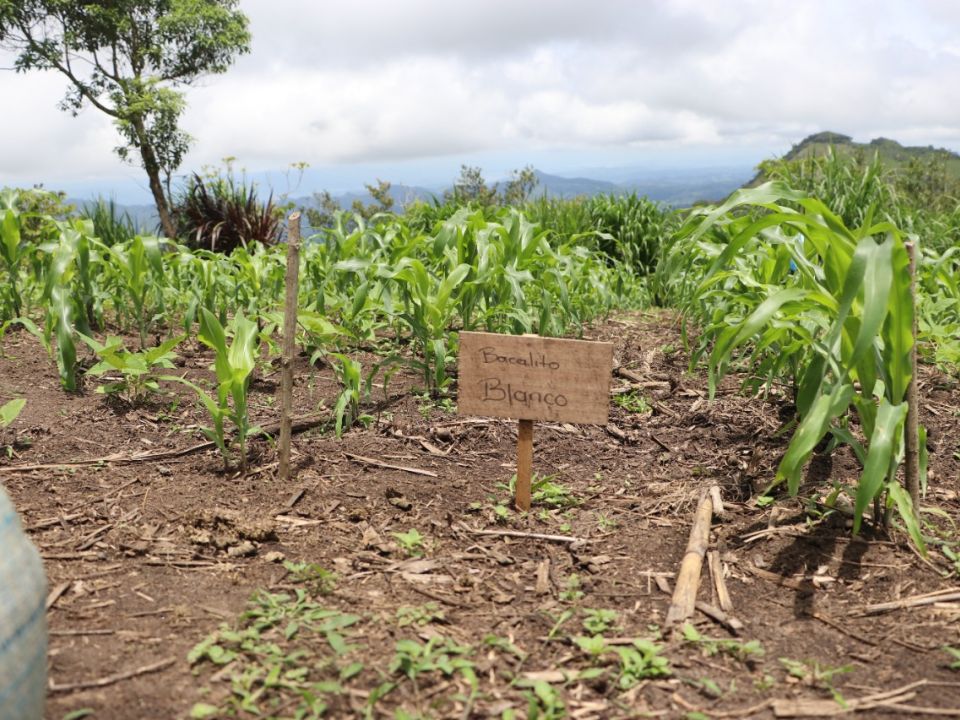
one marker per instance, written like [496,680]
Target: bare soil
[146,556]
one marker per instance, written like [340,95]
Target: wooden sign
[529,378]
[534,378]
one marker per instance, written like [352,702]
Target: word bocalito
[530,359]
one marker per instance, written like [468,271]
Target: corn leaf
[882,450]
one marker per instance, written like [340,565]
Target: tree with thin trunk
[130,59]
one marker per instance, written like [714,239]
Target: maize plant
[347,409]
[10,410]
[379,284]
[12,252]
[233,366]
[795,295]
[138,268]
[69,292]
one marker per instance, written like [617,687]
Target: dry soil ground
[150,548]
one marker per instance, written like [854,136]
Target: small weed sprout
[411,542]
[544,491]
[316,577]
[131,374]
[815,675]
[633,402]
[745,652]
[598,621]
[572,593]
[544,702]
[420,615]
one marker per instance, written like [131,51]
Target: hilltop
[891,153]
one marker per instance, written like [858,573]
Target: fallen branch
[50,522]
[116,459]
[841,629]
[914,601]
[111,679]
[783,580]
[916,710]
[403,468]
[794,707]
[528,535]
[742,712]
[718,615]
[437,596]
[57,592]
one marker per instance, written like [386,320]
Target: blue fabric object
[23,621]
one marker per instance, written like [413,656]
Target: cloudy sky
[409,90]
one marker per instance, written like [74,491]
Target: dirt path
[147,559]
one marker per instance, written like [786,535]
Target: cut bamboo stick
[716,570]
[718,509]
[289,344]
[688,579]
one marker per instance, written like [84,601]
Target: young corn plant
[233,365]
[12,253]
[793,294]
[347,410]
[10,410]
[429,307]
[138,268]
[8,413]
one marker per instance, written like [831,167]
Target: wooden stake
[716,570]
[524,464]
[912,439]
[688,579]
[289,343]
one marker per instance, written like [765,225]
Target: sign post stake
[524,464]
[530,378]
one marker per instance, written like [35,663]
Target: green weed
[411,542]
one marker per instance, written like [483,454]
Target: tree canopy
[129,59]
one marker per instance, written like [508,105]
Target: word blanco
[495,391]
[539,361]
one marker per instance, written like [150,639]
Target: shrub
[223,213]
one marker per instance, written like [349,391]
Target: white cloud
[379,82]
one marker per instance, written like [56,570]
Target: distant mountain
[555,186]
[891,153]
[679,188]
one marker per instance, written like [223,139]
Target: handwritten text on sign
[534,378]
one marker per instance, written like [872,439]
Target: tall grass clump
[851,186]
[630,228]
[110,225]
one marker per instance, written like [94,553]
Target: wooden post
[289,342]
[912,439]
[524,463]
